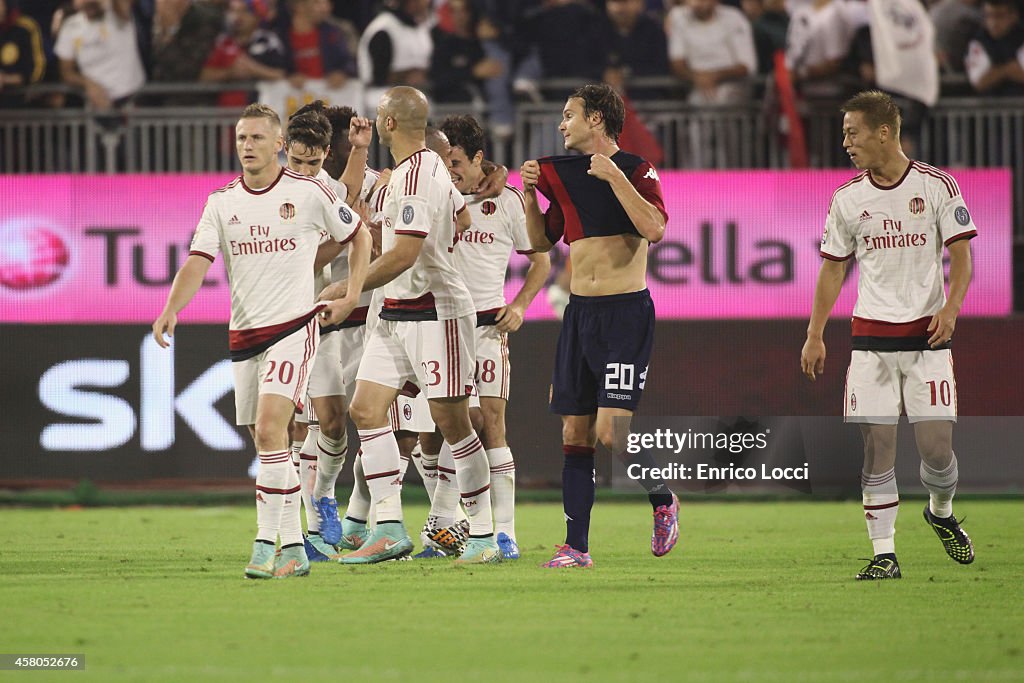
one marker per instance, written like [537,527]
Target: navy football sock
[658,492]
[578,495]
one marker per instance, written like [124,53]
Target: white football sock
[307,477]
[941,485]
[446,491]
[881,503]
[503,490]
[330,458]
[359,502]
[272,485]
[382,469]
[426,465]
[474,477]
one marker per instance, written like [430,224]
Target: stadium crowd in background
[492,52]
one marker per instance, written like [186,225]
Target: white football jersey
[897,235]
[268,239]
[483,249]
[421,201]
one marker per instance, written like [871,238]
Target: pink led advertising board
[98,249]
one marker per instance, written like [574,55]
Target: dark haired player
[498,228]
[894,217]
[607,204]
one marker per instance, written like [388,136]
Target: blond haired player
[895,218]
[266,224]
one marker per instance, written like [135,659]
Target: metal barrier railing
[958,132]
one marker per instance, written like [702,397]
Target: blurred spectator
[956,21]
[42,12]
[561,38]
[317,46]
[99,53]
[995,57]
[818,45]
[359,13]
[246,51]
[458,65]
[635,45]
[22,60]
[396,47]
[770,22]
[181,37]
[712,47]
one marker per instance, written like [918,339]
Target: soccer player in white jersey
[498,228]
[322,447]
[895,217]
[266,224]
[425,336]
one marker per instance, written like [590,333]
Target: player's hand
[493,183]
[376,239]
[165,323]
[603,168]
[530,174]
[941,326]
[509,318]
[335,290]
[337,311]
[360,132]
[362,209]
[812,358]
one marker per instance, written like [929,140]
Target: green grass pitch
[754,592]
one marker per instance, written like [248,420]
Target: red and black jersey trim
[947,180]
[245,344]
[832,257]
[879,335]
[970,234]
[489,317]
[355,319]
[195,252]
[266,189]
[420,308]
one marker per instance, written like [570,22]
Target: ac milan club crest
[916,206]
[488,208]
[407,411]
[853,402]
[287,211]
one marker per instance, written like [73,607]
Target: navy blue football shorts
[603,351]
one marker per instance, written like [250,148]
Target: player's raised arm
[536,225]
[360,134]
[649,219]
[826,291]
[186,283]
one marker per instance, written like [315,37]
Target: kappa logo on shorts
[962,216]
[344,214]
[408,213]
[287,211]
